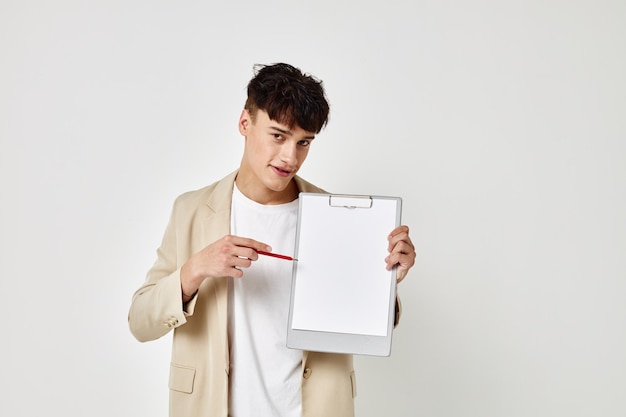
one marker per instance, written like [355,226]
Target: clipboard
[342,297]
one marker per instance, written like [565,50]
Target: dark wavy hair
[289,97]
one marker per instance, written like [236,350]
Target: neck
[266,196]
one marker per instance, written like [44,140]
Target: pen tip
[295,260]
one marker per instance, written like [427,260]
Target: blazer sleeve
[157,305]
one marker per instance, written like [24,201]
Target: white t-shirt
[265,374]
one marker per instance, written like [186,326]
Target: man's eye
[277,136]
[304,143]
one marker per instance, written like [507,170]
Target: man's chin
[279,185]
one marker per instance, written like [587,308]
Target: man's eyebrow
[289,132]
[286,132]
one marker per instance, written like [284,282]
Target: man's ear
[244,122]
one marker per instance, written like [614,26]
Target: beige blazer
[200,355]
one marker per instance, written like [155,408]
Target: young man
[229,307]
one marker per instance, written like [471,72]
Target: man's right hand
[222,258]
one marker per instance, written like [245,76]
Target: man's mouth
[283,172]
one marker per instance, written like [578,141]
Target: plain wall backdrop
[502,124]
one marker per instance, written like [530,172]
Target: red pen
[276,255]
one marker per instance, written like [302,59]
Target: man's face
[272,156]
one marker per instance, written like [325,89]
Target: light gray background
[501,124]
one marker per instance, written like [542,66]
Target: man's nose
[288,153]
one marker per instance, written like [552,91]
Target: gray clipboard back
[342,297]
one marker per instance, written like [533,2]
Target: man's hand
[401,252]
[222,258]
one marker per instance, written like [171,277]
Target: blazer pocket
[182,378]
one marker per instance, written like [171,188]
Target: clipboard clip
[350,201]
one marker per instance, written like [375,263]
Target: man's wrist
[187,297]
